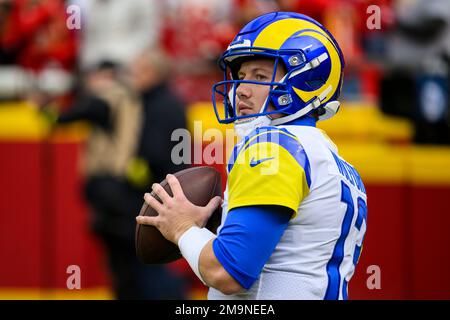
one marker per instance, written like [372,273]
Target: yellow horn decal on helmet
[335,73]
[274,35]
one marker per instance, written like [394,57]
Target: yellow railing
[379,146]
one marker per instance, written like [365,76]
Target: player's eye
[261,77]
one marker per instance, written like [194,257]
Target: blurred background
[91,90]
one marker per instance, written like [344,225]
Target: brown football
[200,185]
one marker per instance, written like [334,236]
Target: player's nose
[244,91]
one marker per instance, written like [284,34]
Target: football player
[294,211]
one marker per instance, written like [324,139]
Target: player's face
[250,97]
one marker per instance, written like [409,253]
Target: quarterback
[294,211]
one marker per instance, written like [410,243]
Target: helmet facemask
[278,94]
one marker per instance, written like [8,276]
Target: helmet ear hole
[331,108]
[321,111]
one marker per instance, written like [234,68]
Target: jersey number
[334,276]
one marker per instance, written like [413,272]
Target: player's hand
[176,214]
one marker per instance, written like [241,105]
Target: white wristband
[191,244]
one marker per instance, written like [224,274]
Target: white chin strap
[311,106]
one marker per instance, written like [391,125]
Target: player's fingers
[152,202]
[150,221]
[213,204]
[174,185]
[161,193]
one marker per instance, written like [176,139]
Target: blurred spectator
[163,113]
[195,33]
[374,26]
[33,34]
[416,84]
[115,118]
[247,10]
[115,181]
[422,30]
[116,30]
[37,50]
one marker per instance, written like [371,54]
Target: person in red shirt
[34,34]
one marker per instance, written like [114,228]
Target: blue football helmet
[308,52]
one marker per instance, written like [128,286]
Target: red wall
[21,203]
[44,225]
[408,239]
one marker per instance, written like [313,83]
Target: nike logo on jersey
[254,163]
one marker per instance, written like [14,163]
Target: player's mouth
[244,109]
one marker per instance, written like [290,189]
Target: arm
[92,109]
[233,261]
[214,274]
[221,262]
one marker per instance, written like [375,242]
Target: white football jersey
[317,254]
